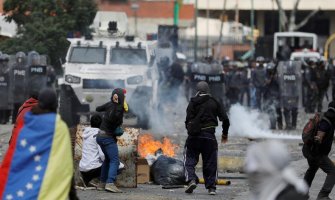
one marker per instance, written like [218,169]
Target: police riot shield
[4,89]
[18,83]
[289,73]
[37,79]
[212,74]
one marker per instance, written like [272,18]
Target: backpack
[311,128]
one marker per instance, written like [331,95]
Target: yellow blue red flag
[40,166]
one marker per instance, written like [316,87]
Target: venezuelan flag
[40,166]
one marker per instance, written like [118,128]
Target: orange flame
[148,145]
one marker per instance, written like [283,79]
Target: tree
[43,25]
[290,24]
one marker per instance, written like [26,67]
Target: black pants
[16,108]
[327,166]
[4,116]
[321,96]
[89,175]
[291,115]
[207,146]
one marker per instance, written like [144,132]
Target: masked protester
[111,122]
[270,177]
[317,154]
[203,110]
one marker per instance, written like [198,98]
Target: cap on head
[47,100]
[203,87]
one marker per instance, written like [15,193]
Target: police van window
[88,55]
[127,56]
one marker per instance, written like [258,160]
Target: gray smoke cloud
[253,124]
[170,116]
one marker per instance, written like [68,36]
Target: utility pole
[252,16]
[196,31]
[218,50]
[176,13]
[207,27]
[135,7]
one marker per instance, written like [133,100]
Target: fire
[148,145]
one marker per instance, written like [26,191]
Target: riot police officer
[289,73]
[272,97]
[4,89]
[234,84]
[312,89]
[37,74]
[322,82]
[258,81]
[212,72]
[18,74]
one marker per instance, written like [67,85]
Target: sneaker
[112,188]
[101,186]
[94,182]
[191,186]
[211,191]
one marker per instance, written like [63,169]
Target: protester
[272,97]
[204,108]
[92,155]
[32,169]
[269,176]
[317,153]
[111,122]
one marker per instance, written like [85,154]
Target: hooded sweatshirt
[212,111]
[92,155]
[113,116]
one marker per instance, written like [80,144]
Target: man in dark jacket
[112,119]
[322,83]
[317,156]
[204,143]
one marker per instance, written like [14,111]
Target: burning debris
[165,170]
[148,146]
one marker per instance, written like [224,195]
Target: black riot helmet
[20,57]
[33,58]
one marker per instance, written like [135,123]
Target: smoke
[252,124]
[169,116]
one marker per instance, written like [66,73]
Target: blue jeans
[111,163]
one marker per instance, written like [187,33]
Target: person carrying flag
[32,168]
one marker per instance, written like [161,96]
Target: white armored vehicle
[108,60]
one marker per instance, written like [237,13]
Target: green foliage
[44,24]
